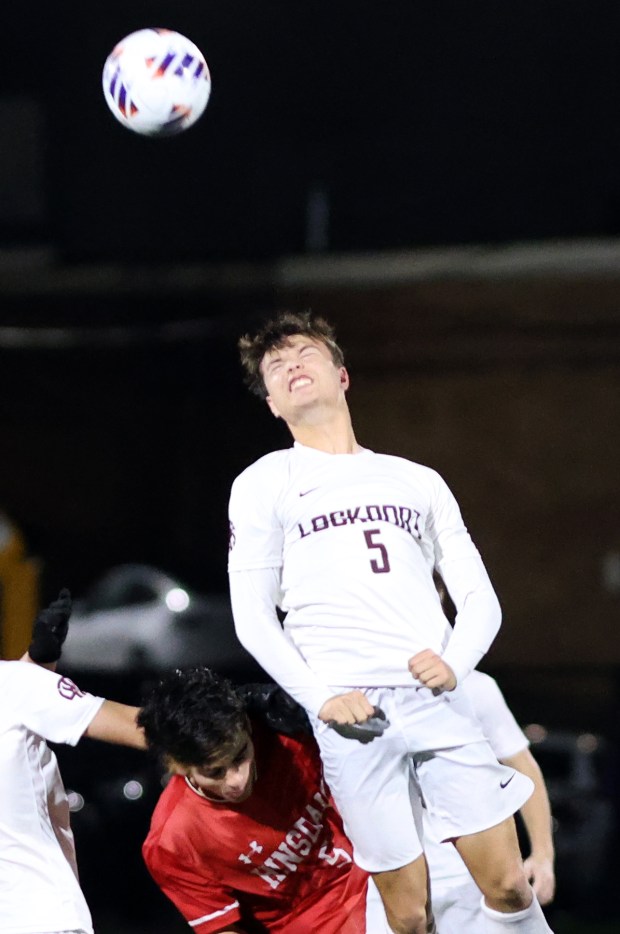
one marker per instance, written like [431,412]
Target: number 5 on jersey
[379,565]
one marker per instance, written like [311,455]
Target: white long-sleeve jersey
[39,889]
[346,545]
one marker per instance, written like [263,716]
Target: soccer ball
[156,82]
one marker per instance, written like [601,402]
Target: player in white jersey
[39,888]
[455,896]
[345,541]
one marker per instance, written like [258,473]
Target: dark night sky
[424,123]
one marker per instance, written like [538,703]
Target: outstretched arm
[113,722]
[116,723]
[536,813]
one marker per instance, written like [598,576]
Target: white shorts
[433,755]
[457,910]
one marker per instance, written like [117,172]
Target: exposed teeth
[300,381]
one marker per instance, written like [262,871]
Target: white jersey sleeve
[252,507]
[457,559]
[46,703]
[499,726]
[253,597]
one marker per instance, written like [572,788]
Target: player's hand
[50,629]
[353,707]
[366,731]
[430,670]
[358,718]
[541,874]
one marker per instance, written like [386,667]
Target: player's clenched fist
[430,670]
[352,707]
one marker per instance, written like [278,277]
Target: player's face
[301,375]
[229,777]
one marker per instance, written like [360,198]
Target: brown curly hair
[274,334]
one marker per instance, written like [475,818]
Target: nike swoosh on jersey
[508,781]
[305,492]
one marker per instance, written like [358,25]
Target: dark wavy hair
[193,716]
[274,334]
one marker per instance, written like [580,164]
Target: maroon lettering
[390,514]
[353,514]
[382,566]
[402,517]
[68,690]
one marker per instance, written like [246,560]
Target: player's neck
[332,437]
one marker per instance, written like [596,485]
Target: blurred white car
[137,618]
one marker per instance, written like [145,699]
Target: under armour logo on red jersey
[67,689]
[254,848]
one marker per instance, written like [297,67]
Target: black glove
[276,708]
[364,732]
[50,629]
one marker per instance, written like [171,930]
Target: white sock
[529,921]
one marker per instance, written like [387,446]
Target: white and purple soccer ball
[156,82]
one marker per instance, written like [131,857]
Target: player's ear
[272,407]
[344,378]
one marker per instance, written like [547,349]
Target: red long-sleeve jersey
[279,861]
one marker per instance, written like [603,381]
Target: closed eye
[214,774]
[220,771]
[241,755]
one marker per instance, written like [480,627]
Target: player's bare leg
[405,896]
[494,860]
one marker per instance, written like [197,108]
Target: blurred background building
[441,180]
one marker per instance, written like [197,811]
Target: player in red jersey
[245,837]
